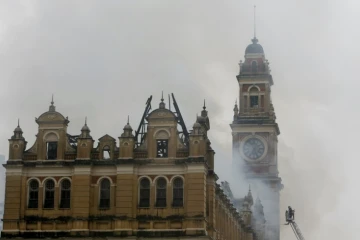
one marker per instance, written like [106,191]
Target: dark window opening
[178,192]
[33,194]
[106,152]
[254,101]
[161,192]
[49,194]
[51,150]
[104,194]
[254,66]
[162,148]
[65,194]
[144,193]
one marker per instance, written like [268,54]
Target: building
[2,189]
[156,182]
[1,215]
[255,132]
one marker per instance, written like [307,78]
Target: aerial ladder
[290,219]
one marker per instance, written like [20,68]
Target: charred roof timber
[140,134]
[73,140]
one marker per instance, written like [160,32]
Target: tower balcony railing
[70,156]
[30,157]
[249,70]
[140,154]
[254,110]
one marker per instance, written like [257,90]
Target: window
[161,192]
[33,194]
[106,152]
[178,192]
[254,66]
[254,101]
[65,194]
[51,152]
[144,193]
[162,148]
[104,194]
[49,194]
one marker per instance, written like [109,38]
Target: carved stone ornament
[162,114]
[162,135]
[51,116]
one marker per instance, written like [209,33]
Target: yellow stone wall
[206,212]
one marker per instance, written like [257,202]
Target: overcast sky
[103,59]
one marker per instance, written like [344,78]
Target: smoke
[259,189]
[103,60]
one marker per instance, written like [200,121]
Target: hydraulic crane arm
[297,231]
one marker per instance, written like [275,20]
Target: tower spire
[254,21]
[85,130]
[204,112]
[162,104]
[236,109]
[52,107]
[127,129]
[18,122]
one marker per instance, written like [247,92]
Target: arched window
[254,66]
[161,192]
[162,140]
[144,193]
[106,152]
[178,192]
[33,194]
[51,146]
[49,194]
[104,194]
[254,97]
[65,194]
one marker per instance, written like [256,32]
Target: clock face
[253,148]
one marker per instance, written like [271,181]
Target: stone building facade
[156,182]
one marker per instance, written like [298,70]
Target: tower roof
[52,116]
[196,125]
[18,132]
[85,127]
[18,128]
[254,47]
[127,126]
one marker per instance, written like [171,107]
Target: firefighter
[291,213]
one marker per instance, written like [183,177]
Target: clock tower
[255,133]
